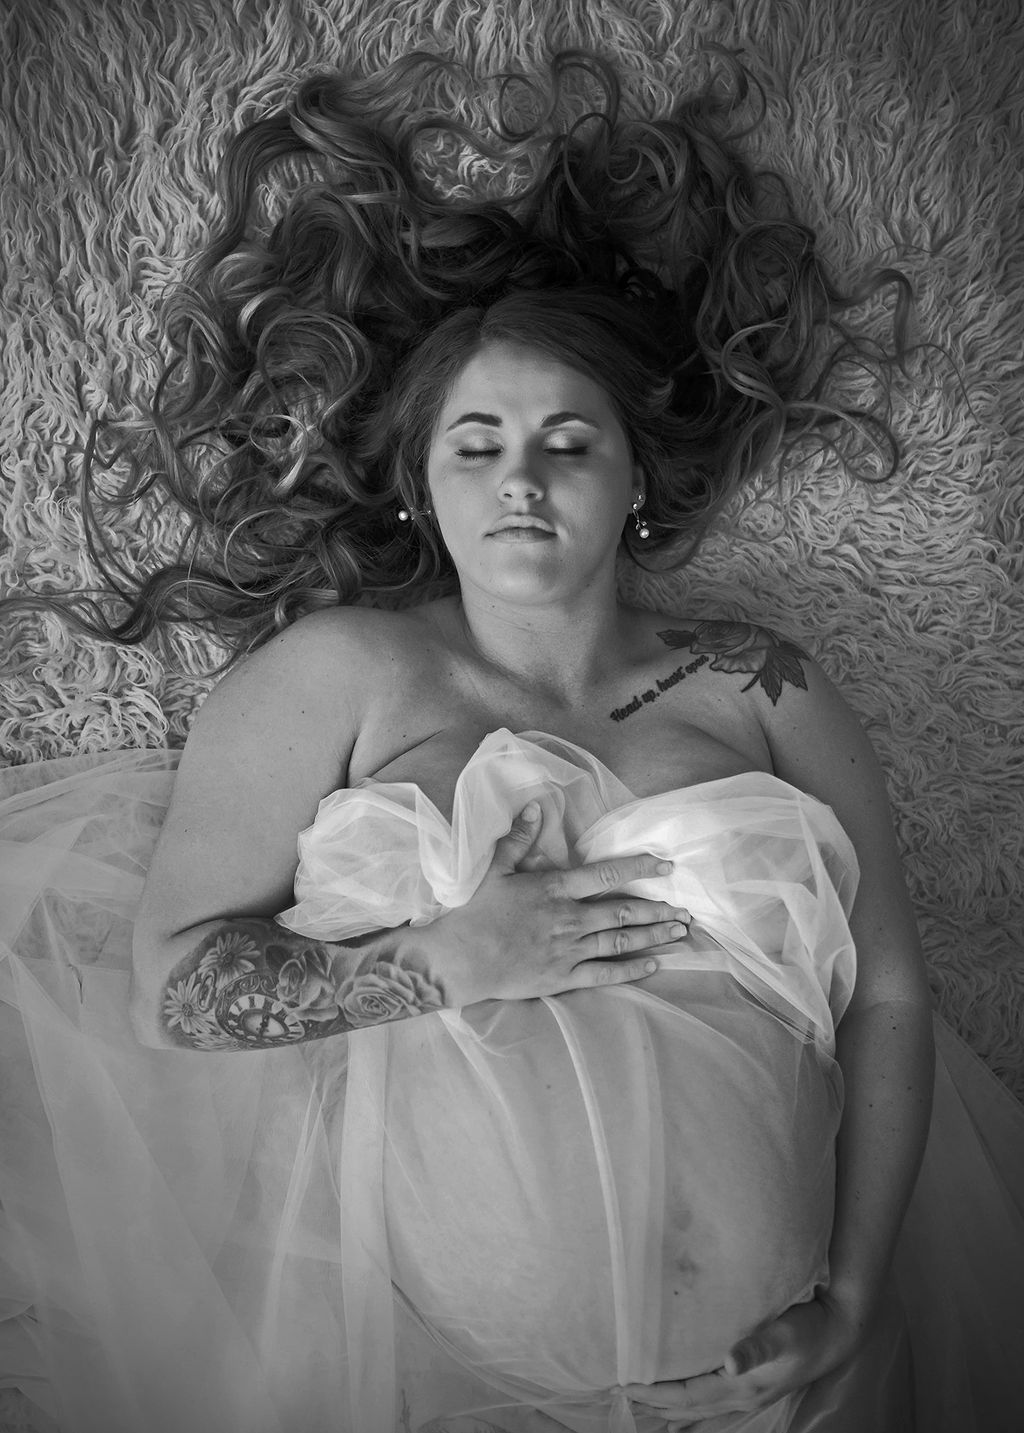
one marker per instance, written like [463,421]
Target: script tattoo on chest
[728,647]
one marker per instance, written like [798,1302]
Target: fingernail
[650,966]
[665,868]
[677,929]
[531,811]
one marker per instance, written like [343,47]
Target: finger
[656,1397]
[707,1395]
[513,846]
[628,940]
[596,915]
[687,1395]
[591,973]
[601,878]
[769,1344]
[671,1393]
[706,1391]
[743,1358]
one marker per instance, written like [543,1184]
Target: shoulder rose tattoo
[727,647]
[742,647]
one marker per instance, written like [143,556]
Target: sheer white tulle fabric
[773,897]
[486,1219]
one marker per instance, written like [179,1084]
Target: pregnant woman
[590,1047]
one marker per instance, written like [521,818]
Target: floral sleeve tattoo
[251,984]
[727,647]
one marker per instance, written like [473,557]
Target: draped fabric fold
[488,1218]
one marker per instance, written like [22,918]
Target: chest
[655,733]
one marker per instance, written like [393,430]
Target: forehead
[518,377]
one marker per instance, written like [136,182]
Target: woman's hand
[526,933]
[802,1345]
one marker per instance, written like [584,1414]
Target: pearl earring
[642,530]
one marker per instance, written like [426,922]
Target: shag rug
[900,128]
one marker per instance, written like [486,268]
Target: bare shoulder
[327,660]
[335,635]
[271,740]
[816,740]
[818,744]
[806,721]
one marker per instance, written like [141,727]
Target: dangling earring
[642,530]
[407,514]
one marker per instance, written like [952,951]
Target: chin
[532,582]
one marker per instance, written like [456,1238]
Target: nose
[521,480]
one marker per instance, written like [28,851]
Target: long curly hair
[315,338]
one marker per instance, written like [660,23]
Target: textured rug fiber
[900,127]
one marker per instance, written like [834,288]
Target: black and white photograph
[511,716]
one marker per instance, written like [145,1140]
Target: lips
[522,529]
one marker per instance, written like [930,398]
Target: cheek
[446,497]
[453,505]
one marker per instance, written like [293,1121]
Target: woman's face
[531,478]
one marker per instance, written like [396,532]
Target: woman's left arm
[885,1052]
[884,1040]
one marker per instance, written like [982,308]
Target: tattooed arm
[249,984]
[271,738]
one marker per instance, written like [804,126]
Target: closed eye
[492,452]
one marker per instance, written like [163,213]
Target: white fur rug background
[900,127]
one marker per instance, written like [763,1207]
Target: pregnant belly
[611,1186]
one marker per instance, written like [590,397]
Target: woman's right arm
[212,970]
[271,739]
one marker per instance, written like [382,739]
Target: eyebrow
[553,420]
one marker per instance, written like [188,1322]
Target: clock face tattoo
[258,1017]
[727,647]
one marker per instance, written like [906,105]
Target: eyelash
[490,452]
